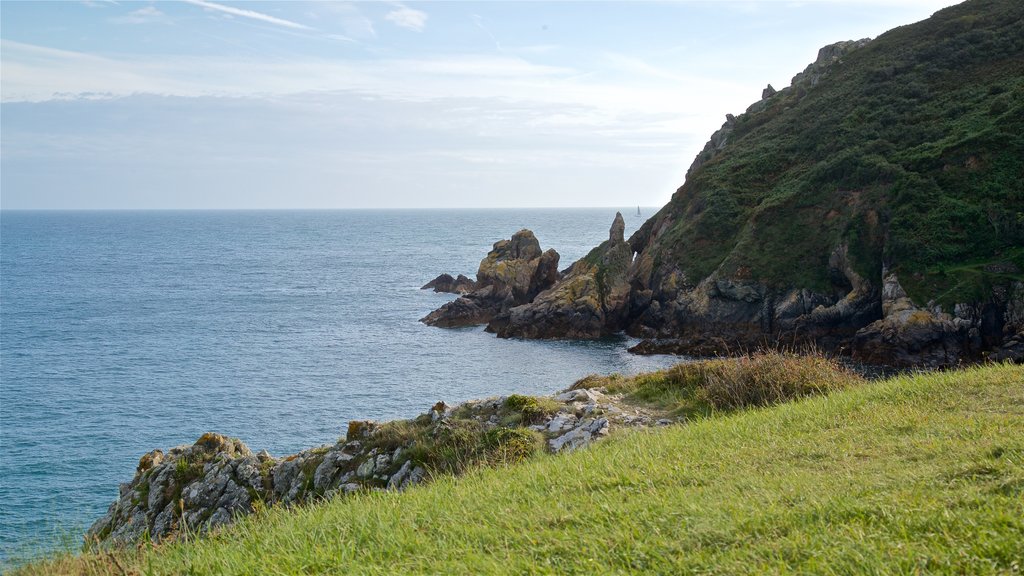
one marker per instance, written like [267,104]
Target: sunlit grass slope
[918,474]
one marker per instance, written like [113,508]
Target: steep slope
[876,204]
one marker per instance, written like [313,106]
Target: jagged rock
[908,335]
[511,274]
[768,92]
[329,469]
[446,283]
[583,304]
[475,308]
[398,477]
[150,460]
[715,144]
[218,478]
[581,435]
[827,56]
[188,484]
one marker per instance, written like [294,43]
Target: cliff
[874,207]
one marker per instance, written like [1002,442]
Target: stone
[399,477]
[324,475]
[366,469]
[910,336]
[446,283]
[415,477]
[149,460]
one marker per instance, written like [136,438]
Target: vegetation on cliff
[919,473]
[906,149]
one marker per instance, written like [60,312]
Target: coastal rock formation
[907,335]
[446,283]
[511,274]
[798,216]
[591,296]
[217,479]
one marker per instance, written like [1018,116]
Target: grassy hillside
[909,150]
[919,474]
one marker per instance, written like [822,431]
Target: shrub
[770,377]
[530,408]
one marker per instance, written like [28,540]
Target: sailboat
[638,211]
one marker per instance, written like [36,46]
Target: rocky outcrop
[513,273]
[910,336]
[714,145]
[586,303]
[446,283]
[828,56]
[218,479]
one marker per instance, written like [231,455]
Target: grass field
[914,475]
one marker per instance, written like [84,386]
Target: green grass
[918,474]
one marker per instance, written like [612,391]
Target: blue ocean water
[121,332]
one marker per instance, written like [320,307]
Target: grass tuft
[758,379]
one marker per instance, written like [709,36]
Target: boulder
[446,283]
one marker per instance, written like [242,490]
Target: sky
[199,104]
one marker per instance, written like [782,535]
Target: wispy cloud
[252,14]
[406,17]
[141,16]
[479,21]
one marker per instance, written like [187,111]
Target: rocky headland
[829,213]
[218,479]
[513,273]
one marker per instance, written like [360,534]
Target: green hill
[917,474]
[909,150]
[875,206]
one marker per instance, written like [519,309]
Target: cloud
[479,21]
[407,17]
[249,14]
[141,16]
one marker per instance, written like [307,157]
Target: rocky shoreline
[218,479]
[520,294]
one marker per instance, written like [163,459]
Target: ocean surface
[121,332]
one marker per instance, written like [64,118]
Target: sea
[126,331]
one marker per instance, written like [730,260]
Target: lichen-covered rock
[512,273]
[186,486]
[587,303]
[217,479]
[910,336]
